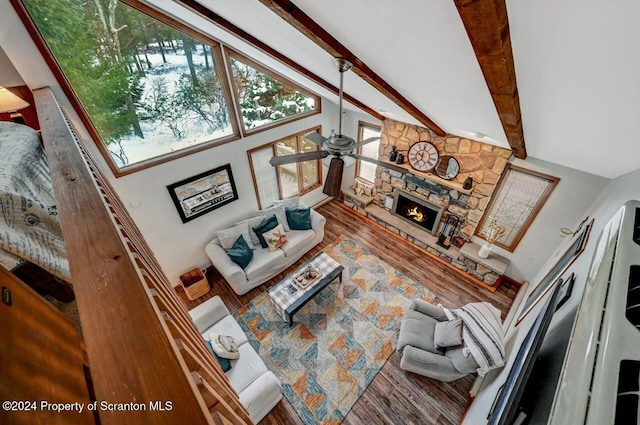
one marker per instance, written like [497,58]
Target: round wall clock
[423,156]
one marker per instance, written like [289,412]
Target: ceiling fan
[336,145]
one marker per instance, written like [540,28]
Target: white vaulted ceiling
[578,70]
[419,47]
[577,67]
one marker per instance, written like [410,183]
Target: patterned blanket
[29,225]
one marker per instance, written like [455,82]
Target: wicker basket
[195,284]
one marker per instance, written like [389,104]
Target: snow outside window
[265,97]
[148,89]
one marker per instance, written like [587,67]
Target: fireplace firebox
[417,211]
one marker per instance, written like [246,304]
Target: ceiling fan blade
[316,138]
[365,141]
[381,163]
[334,177]
[297,157]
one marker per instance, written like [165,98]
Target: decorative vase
[400,159]
[485,250]
[468,183]
[393,154]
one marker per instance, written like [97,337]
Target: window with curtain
[149,88]
[366,170]
[516,200]
[284,181]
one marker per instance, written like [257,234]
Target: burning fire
[415,214]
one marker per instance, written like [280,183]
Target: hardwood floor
[394,396]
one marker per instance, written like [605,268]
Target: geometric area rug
[339,340]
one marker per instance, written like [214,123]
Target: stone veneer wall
[483,162]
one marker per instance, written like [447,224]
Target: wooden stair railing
[141,343]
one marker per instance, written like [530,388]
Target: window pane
[288,173]
[148,88]
[367,170]
[263,99]
[309,168]
[265,176]
[289,179]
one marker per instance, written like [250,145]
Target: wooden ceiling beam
[303,23]
[268,50]
[487,26]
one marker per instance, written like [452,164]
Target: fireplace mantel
[450,184]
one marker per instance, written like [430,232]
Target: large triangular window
[147,88]
[265,98]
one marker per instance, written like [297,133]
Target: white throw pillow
[289,202]
[275,237]
[448,334]
[280,213]
[224,346]
[228,237]
[251,223]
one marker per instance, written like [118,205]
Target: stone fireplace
[394,199]
[417,211]
[482,162]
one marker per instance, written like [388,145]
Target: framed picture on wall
[553,276]
[203,193]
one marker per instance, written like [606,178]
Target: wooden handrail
[133,355]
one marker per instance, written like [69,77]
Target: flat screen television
[506,406]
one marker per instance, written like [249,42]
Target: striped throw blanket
[482,334]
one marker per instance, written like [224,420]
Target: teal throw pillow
[299,218]
[267,224]
[240,253]
[225,364]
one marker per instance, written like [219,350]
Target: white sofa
[258,388]
[265,264]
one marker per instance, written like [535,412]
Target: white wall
[9,77]
[575,191]
[169,238]
[610,199]
[180,246]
